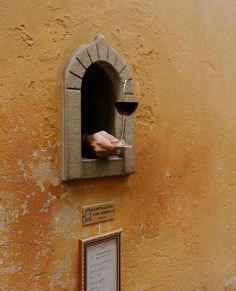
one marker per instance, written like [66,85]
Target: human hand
[102,144]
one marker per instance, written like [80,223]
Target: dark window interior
[98,94]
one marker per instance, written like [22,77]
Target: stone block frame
[74,166]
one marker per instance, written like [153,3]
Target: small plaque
[99,262]
[98,213]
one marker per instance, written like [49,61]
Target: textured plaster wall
[178,212]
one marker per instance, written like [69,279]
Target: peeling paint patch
[24,35]
[23,170]
[47,203]
[35,153]
[230,283]
[58,278]
[43,173]
[18,128]
[24,206]
[5,170]
[10,269]
[65,221]
[3,220]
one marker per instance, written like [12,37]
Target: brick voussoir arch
[97,50]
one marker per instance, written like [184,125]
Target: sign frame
[94,241]
[97,213]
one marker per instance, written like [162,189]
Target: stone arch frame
[74,166]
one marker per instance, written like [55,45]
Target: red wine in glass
[126,108]
[126,105]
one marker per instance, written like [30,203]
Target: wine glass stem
[123,128]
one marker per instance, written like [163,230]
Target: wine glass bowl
[126,105]
[126,108]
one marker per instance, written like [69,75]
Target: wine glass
[126,105]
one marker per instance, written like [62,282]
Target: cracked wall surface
[178,211]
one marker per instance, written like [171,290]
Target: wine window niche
[91,85]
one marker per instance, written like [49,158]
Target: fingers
[103,152]
[108,136]
[102,144]
[106,148]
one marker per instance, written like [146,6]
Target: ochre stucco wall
[178,211]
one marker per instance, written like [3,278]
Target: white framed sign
[99,262]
